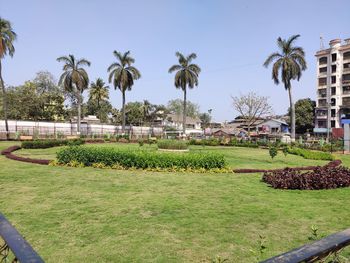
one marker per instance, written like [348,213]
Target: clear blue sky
[231,39]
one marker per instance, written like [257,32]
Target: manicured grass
[94,215]
[237,157]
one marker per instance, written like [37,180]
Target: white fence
[51,129]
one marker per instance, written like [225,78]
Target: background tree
[134,113]
[251,107]
[36,99]
[287,65]
[304,115]
[186,76]
[7,37]
[99,93]
[74,80]
[123,74]
[177,107]
[205,119]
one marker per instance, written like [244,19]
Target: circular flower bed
[326,177]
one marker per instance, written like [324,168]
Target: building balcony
[346,70]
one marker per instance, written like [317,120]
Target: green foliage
[285,150]
[141,142]
[313,155]
[273,151]
[140,159]
[43,144]
[304,115]
[177,107]
[172,144]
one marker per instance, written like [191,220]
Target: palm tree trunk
[123,119]
[4,103]
[184,113]
[79,114]
[292,114]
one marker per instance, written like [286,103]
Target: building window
[322,103]
[332,112]
[323,60]
[334,57]
[323,70]
[333,91]
[333,101]
[322,81]
[322,124]
[346,101]
[333,79]
[346,89]
[332,124]
[334,68]
[322,93]
[346,55]
[346,78]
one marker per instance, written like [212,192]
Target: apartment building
[333,85]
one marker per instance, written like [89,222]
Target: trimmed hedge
[43,144]
[326,177]
[88,156]
[313,155]
[172,144]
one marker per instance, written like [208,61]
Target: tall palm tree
[98,92]
[74,79]
[288,65]
[123,74]
[186,76]
[7,37]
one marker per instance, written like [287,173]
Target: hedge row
[326,177]
[139,159]
[172,144]
[42,144]
[313,155]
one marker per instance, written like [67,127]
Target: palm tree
[288,65]
[186,75]
[99,92]
[74,79]
[123,74]
[7,37]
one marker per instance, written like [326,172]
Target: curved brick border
[8,153]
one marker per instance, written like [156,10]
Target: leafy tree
[116,116]
[103,110]
[29,102]
[177,107]
[7,37]
[251,107]
[205,119]
[186,76]
[99,93]
[304,115]
[287,65]
[273,151]
[123,74]
[74,80]
[134,113]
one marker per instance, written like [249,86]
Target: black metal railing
[316,251]
[13,247]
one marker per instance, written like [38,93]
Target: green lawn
[237,157]
[94,215]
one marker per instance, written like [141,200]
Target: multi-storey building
[333,85]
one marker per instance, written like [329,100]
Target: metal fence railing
[13,247]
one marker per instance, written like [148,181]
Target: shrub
[313,155]
[43,144]
[326,177]
[141,142]
[172,144]
[139,159]
[273,151]
[241,143]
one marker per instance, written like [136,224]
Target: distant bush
[313,155]
[273,151]
[141,142]
[326,177]
[42,144]
[172,144]
[139,159]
